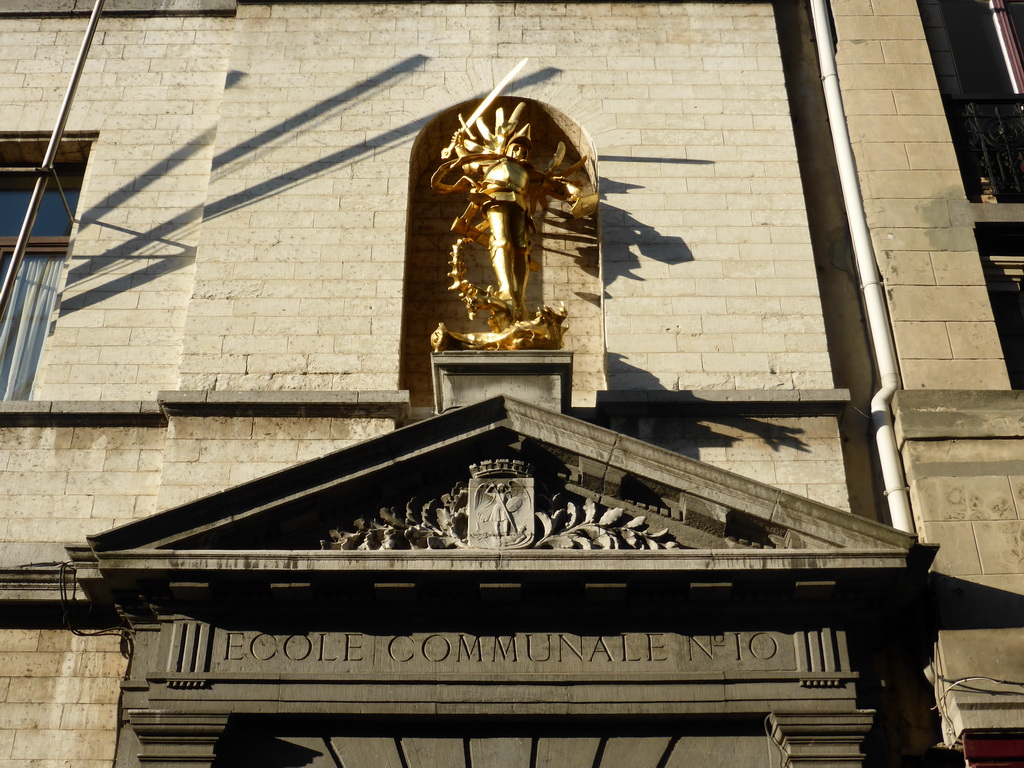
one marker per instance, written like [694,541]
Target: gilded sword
[447,151]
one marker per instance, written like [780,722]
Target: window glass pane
[24,328]
[979,61]
[52,219]
[1016,11]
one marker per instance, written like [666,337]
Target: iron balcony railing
[988,133]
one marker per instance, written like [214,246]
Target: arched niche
[567,249]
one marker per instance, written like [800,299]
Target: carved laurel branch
[443,524]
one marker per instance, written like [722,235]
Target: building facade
[251,519]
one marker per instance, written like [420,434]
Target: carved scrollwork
[445,523]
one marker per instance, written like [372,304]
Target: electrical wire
[940,703]
[778,746]
[124,632]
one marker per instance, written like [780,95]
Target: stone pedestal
[534,376]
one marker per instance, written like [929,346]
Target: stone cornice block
[352,404]
[937,414]
[78,413]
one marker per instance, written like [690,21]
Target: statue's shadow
[626,240]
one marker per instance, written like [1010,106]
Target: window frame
[1010,41]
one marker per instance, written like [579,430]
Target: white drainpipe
[867,271]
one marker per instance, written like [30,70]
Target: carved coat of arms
[501,505]
[501,508]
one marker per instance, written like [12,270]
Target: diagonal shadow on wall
[178,225]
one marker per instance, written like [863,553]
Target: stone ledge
[136,413]
[790,402]
[942,414]
[15,8]
[367,404]
[81,413]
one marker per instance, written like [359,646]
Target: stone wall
[58,698]
[149,98]
[206,454]
[938,304]
[797,454]
[62,483]
[964,453]
[708,273]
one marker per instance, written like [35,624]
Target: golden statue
[505,191]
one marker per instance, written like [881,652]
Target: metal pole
[47,165]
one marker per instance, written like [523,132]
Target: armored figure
[505,190]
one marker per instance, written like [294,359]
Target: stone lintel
[938,414]
[793,402]
[541,378]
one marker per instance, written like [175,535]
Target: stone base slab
[541,378]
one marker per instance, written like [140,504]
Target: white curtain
[24,328]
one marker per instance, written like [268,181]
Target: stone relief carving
[501,507]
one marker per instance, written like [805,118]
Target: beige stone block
[907,212]
[864,51]
[923,103]
[995,653]
[977,498]
[974,340]
[957,268]
[1001,545]
[906,268]
[74,746]
[92,717]
[23,715]
[954,374]
[932,156]
[966,303]
[885,77]
[958,551]
[19,640]
[922,238]
[906,52]
[912,184]
[922,340]
[968,452]
[877,156]
[855,8]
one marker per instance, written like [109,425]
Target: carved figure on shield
[501,512]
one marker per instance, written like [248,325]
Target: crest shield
[501,512]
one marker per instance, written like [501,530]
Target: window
[1002,259]
[23,330]
[979,59]
[985,46]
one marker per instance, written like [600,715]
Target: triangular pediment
[589,488]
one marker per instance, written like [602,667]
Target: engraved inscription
[526,652]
